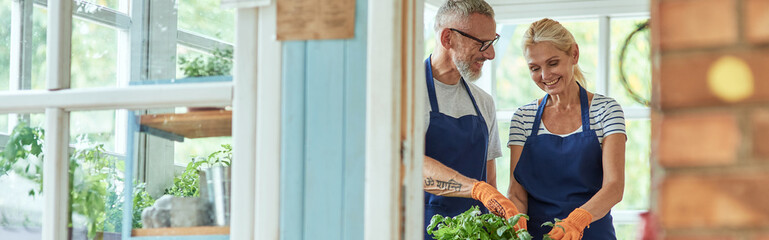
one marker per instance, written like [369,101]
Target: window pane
[207,18]
[36,47]
[202,65]
[94,55]
[39,61]
[5,44]
[429,31]
[113,4]
[21,204]
[637,64]
[99,148]
[503,163]
[514,87]
[637,174]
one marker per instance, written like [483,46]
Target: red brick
[696,23]
[760,131]
[682,78]
[703,139]
[764,236]
[734,201]
[756,20]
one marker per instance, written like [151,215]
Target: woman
[567,148]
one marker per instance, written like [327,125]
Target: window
[21,204]
[105,71]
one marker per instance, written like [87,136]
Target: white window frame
[58,101]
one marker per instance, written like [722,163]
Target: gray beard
[465,71]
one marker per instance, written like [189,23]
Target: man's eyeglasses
[484,44]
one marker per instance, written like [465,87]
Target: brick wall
[710,119]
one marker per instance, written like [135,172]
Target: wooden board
[195,124]
[185,231]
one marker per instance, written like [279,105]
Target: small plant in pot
[205,178]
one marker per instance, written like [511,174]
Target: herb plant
[187,184]
[473,225]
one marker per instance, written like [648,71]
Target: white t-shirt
[606,118]
[454,102]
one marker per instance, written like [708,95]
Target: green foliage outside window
[219,64]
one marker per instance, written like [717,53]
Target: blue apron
[561,174]
[459,143]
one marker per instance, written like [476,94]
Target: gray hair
[460,10]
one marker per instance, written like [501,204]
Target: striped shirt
[606,118]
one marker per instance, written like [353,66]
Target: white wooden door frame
[394,125]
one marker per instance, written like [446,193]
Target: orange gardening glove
[574,225]
[497,203]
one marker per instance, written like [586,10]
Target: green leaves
[552,225]
[472,225]
[217,65]
[186,184]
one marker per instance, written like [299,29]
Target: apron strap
[585,108]
[538,117]
[431,84]
[477,111]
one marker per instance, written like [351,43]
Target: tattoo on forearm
[429,181]
[451,184]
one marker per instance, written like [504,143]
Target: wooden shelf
[196,124]
[185,231]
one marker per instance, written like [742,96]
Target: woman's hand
[572,227]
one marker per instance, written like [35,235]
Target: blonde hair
[549,30]
[460,10]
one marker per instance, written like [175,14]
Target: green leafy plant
[220,63]
[95,178]
[473,225]
[187,184]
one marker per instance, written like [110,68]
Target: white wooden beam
[133,97]
[394,125]
[56,172]
[244,125]
[268,120]
[382,189]
[604,53]
[56,166]
[413,139]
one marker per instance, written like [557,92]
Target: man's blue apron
[459,143]
[561,174]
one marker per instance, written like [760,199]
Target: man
[461,142]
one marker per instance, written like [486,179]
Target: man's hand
[572,227]
[497,203]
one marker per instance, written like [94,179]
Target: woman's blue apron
[561,174]
[459,143]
